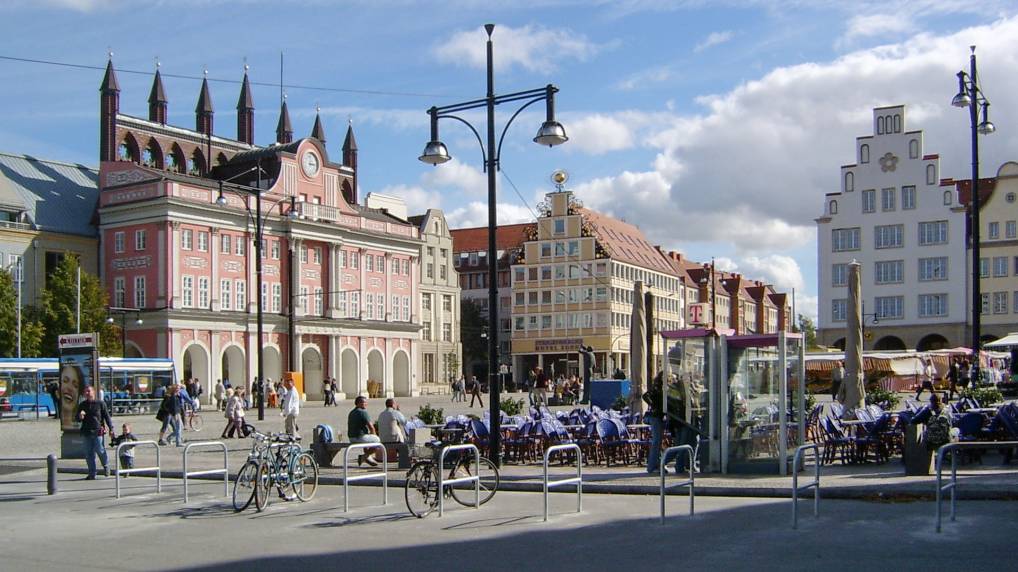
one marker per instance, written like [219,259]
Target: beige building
[441,353]
[573,284]
[47,210]
[998,264]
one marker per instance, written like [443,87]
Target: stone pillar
[335,363]
[214,258]
[393,314]
[335,283]
[173,274]
[298,301]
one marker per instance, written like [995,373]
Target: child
[127,453]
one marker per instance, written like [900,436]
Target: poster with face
[78,368]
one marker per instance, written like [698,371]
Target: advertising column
[79,368]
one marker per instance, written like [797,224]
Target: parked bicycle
[192,419]
[244,488]
[289,469]
[421,488]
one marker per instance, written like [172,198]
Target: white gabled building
[907,230]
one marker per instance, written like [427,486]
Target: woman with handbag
[238,415]
[231,408]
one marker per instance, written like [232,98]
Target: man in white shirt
[391,423]
[291,407]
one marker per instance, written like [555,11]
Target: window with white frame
[319,302]
[341,303]
[139,291]
[239,247]
[303,254]
[186,237]
[984,303]
[560,226]
[317,251]
[187,291]
[1000,302]
[545,249]
[932,305]
[406,308]
[369,304]
[1014,304]
[380,263]
[426,331]
[240,300]
[869,201]
[908,197]
[890,307]
[304,299]
[224,243]
[888,236]
[203,292]
[118,242]
[394,309]
[934,268]
[984,267]
[426,301]
[119,292]
[843,239]
[275,249]
[887,199]
[932,232]
[889,271]
[1010,229]
[999,266]
[225,301]
[265,297]
[277,297]
[442,272]
[446,303]
[839,275]
[342,259]
[203,241]
[839,310]
[369,263]
[380,306]
[355,305]
[355,260]
[994,230]
[406,267]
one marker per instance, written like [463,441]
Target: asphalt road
[85,528]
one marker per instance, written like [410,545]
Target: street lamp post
[876,320]
[970,95]
[244,191]
[551,133]
[123,324]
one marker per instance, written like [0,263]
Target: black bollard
[51,474]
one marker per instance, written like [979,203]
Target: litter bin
[916,456]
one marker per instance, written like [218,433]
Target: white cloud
[534,48]
[475,214]
[875,25]
[418,200]
[597,134]
[781,271]
[454,174]
[642,78]
[714,39]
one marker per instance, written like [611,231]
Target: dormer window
[864,153]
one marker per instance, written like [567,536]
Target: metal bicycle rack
[953,485]
[690,482]
[815,485]
[225,471]
[577,480]
[157,469]
[475,478]
[374,475]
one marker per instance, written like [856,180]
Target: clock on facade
[309,162]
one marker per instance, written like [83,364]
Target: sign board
[561,345]
[698,314]
[79,368]
[69,341]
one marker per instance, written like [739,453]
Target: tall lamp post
[551,133]
[259,223]
[970,95]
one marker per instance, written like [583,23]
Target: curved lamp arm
[484,155]
[498,152]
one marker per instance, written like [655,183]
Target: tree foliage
[31,330]
[57,308]
[473,332]
[808,330]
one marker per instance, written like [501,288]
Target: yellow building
[998,242]
[573,285]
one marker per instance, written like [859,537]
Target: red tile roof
[507,237]
[625,243]
[986,187]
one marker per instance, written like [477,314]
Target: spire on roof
[349,144]
[284,132]
[318,132]
[110,84]
[245,102]
[157,99]
[204,98]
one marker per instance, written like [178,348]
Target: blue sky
[715,126]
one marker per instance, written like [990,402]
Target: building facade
[998,257]
[177,221]
[47,211]
[470,258]
[907,229]
[441,354]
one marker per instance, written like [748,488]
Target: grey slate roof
[57,197]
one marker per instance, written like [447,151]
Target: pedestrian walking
[170,414]
[540,388]
[290,405]
[475,391]
[326,390]
[333,390]
[220,395]
[837,378]
[928,373]
[127,453]
[238,415]
[95,419]
[953,376]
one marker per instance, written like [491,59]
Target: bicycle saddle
[435,444]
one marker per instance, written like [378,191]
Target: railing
[225,471]
[157,469]
[475,478]
[577,480]
[51,469]
[347,478]
[815,485]
[690,482]
[953,485]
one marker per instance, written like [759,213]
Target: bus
[129,385]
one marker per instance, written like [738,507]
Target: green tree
[57,308]
[808,330]
[452,364]
[31,330]
[473,332]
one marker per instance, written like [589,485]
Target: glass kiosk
[743,397]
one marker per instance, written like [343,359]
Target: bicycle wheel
[464,492]
[421,489]
[304,476]
[244,486]
[263,485]
[195,422]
